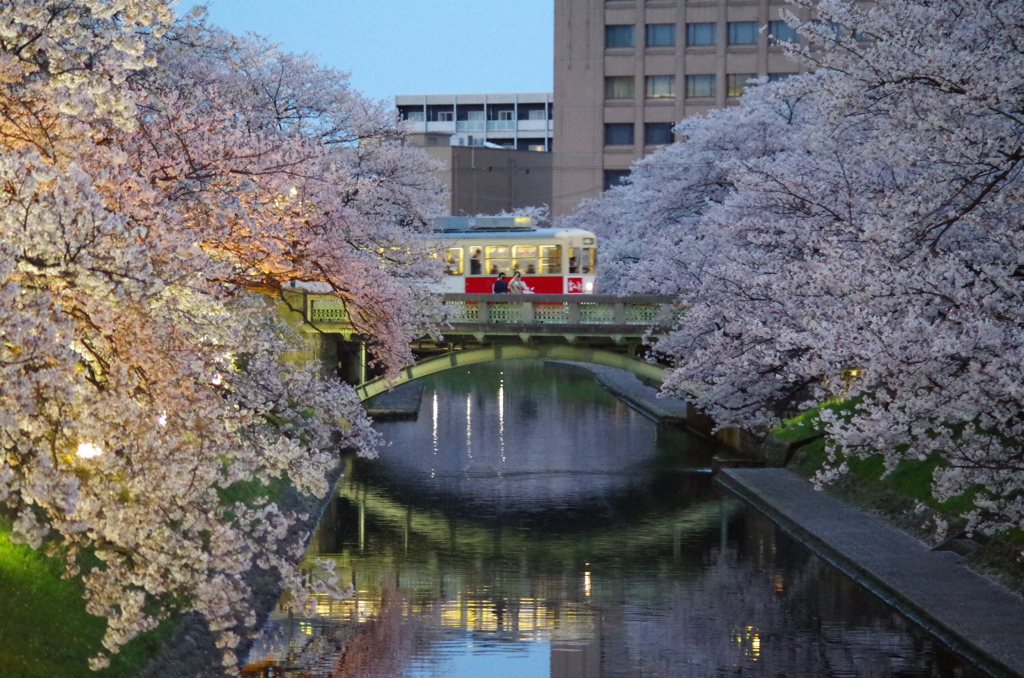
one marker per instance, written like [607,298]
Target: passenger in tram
[500,286]
[530,270]
[573,266]
[494,269]
[474,263]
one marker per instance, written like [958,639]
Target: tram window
[524,259]
[551,259]
[498,259]
[589,260]
[574,260]
[475,265]
[453,261]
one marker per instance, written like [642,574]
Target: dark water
[528,524]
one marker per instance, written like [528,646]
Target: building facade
[518,121]
[626,70]
[487,180]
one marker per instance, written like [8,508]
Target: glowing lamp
[88,451]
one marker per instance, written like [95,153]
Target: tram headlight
[589,287]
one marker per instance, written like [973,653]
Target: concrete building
[494,148]
[486,180]
[519,121]
[627,70]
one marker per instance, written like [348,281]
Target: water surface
[530,524]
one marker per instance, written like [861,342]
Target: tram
[550,260]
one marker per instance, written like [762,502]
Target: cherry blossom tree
[154,177]
[653,240]
[875,253]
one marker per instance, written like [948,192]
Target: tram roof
[517,234]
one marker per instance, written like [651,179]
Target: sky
[408,46]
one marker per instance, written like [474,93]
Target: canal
[529,524]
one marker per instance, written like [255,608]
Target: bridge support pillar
[362,362]
[319,349]
[352,360]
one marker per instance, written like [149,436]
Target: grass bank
[902,497]
[45,630]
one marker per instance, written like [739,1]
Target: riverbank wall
[191,651]
[736,446]
[974,616]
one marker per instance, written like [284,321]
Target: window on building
[505,115]
[742,32]
[614,177]
[618,134]
[658,133]
[780,31]
[414,113]
[534,111]
[661,86]
[530,144]
[700,34]
[619,36]
[440,113]
[831,26]
[700,85]
[470,119]
[661,35]
[776,77]
[618,87]
[735,83]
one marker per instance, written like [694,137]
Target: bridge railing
[559,309]
[594,310]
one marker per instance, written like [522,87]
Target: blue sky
[408,46]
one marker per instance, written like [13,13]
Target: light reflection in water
[469,427]
[501,420]
[434,415]
[596,552]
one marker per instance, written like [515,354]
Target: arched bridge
[597,328]
[483,354]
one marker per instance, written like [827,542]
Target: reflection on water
[529,524]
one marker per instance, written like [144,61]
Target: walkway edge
[746,484]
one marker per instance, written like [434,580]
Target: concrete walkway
[625,385]
[402,402]
[972,615]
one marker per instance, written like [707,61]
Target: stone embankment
[190,652]
[974,616]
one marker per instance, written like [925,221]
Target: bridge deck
[526,314]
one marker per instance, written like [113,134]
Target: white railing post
[526,312]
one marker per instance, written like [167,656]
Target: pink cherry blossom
[161,182]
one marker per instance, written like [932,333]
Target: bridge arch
[493,352]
